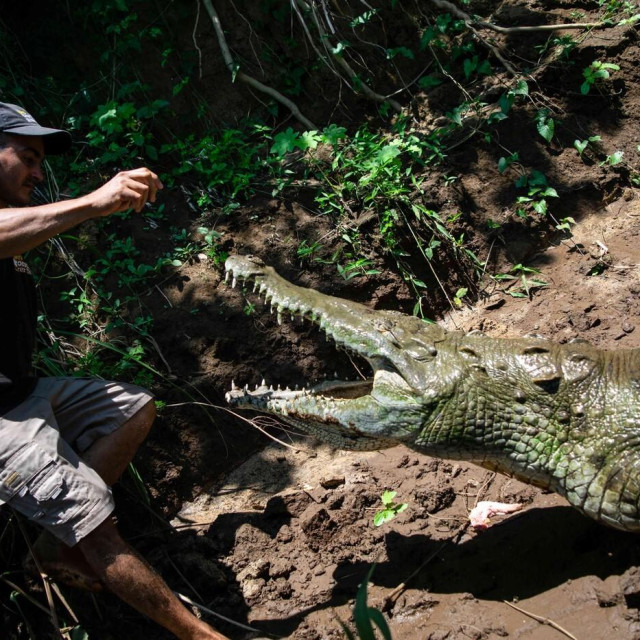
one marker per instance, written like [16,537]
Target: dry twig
[542,620]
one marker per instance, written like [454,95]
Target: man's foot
[62,564]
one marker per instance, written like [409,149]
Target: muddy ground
[277,537]
[294,525]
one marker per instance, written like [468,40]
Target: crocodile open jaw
[561,416]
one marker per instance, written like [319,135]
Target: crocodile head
[376,413]
[560,416]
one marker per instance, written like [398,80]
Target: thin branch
[469,21]
[542,620]
[250,80]
[324,59]
[324,38]
[542,27]
[195,40]
[190,602]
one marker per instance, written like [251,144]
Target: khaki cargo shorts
[41,473]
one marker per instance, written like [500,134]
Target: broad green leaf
[379,620]
[284,142]
[333,133]
[580,145]
[540,207]
[469,66]
[400,51]
[151,152]
[546,128]
[506,101]
[387,153]
[388,496]
[426,82]
[497,116]
[537,178]
[383,516]
[615,158]
[308,140]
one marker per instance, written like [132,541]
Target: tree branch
[250,80]
[469,21]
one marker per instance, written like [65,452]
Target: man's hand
[23,228]
[127,190]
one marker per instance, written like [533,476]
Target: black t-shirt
[18,317]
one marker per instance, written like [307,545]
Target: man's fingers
[134,194]
[147,183]
[128,190]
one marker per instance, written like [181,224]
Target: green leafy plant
[460,293]
[565,224]
[527,285]
[366,618]
[538,191]
[306,251]
[391,508]
[613,159]
[545,124]
[359,267]
[120,131]
[581,145]
[506,161]
[595,73]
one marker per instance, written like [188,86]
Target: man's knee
[146,416]
[139,425]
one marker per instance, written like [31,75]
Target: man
[64,441]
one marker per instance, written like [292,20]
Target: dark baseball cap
[17,121]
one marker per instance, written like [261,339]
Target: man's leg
[109,457]
[129,577]
[111,454]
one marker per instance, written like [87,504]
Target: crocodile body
[564,417]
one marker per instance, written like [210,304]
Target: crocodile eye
[422,353]
[528,351]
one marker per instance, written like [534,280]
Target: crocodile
[563,417]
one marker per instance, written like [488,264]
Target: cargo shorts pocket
[30,479]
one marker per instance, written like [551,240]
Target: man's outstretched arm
[24,228]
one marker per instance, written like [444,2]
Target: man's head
[17,121]
[23,146]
